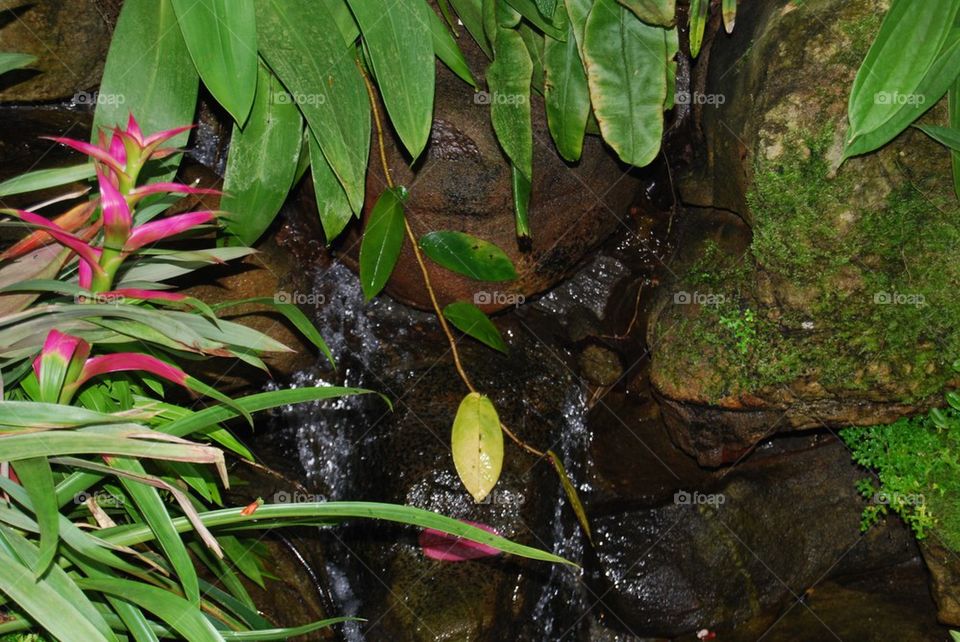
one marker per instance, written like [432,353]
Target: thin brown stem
[458,363]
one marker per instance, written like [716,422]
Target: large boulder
[842,311]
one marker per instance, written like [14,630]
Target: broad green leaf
[528,9]
[262,161]
[577,13]
[954,108]
[471,15]
[400,50]
[346,24]
[148,73]
[566,94]
[332,203]
[468,255]
[661,13]
[469,319]
[319,71]
[699,10]
[947,136]
[37,478]
[382,241]
[888,80]
[157,515]
[477,444]
[521,187]
[221,36]
[46,178]
[626,73]
[729,14]
[508,79]
[446,48]
[180,614]
[53,611]
[10,61]
[571,491]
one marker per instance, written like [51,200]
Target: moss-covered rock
[843,309]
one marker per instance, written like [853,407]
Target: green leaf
[571,491]
[508,79]
[51,444]
[38,416]
[46,178]
[953,105]
[477,445]
[10,61]
[567,95]
[547,7]
[626,72]
[37,478]
[888,81]
[382,241]
[468,255]
[661,13]
[39,265]
[148,73]
[51,610]
[533,40]
[947,136]
[729,14]
[699,10]
[221,36]
[528,9]
[469,319]
[180,614]
[521,201]
[577,13]
[471,15]
[446,48]
[262,161]
[317,68]
[401,53]
[287,633]
[332,203]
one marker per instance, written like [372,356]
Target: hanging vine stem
[381,146]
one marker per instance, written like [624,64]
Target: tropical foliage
[111,478]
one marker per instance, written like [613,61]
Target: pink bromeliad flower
[119,162]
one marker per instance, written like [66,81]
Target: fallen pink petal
[450,548]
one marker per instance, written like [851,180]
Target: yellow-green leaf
[477,444]
[653,12]
[571,491]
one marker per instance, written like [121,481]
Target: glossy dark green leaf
[446,48]
[477,445]
[148,73]
[699,10]
[471,320]
[319,71]
[10,61]
[508,80]
[889,81]
[626,73]
[521,187]
[221,36]
[566,94]
[471,15]
[332,203]
[382,241]
[661,13]
[554,28]
[262,161]
[468,255]
[400,48]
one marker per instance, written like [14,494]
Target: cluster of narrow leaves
[109,503]
[289,73]
[913,63]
